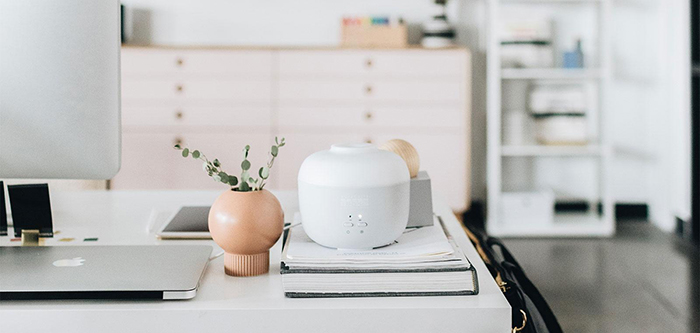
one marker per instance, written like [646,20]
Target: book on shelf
[424,261]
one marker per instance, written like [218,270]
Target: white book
[422,262]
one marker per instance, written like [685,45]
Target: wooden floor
[642,280]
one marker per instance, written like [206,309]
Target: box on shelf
[373,32]
[527,55]
[530,208]
[562,129]
[526,44]
[558,99]
[560,114]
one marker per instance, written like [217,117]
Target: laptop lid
[102,272]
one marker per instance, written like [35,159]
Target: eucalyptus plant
[246,183]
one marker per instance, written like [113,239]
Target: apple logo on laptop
[77,261]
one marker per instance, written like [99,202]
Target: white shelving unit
[597,222]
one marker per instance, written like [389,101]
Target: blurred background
[564,126]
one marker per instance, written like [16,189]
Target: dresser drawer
[363,91]
[302,119]
[209,117]
[179,90]
[336,90]
[446,159]
[419,63]
[424,119]
[369,63]
[439,91]
[139,62]
[316,64]
[150,162]
[418,118]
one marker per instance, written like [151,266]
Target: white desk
[236,304]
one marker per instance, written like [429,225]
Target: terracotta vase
[246,225]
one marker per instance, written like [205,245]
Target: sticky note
[15,239]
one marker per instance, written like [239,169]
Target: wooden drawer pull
[368,140]
[177,141]
[368,63]
[368,115]
[178,114]
[179,88]
[179,62]
[368,89]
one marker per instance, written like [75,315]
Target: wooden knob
[368,89]
[178,114]
[407,152]
[179,62]
[179,88]
[368,140]
[177,141]
[368,63]
[368,115]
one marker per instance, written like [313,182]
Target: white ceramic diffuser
[354,196]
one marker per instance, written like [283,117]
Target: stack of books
[422,262]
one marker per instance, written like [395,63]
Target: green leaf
[217,163]
[243,187]
[196,154]
[274,150]
[232,180]
[185,152]
[252,181]
[264,172]
[245,151]
[277,142]
[223,177]
[177,146]
[245,165]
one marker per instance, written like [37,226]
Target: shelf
[535,150]
[550,74]
[564,225]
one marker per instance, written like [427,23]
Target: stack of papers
[422,262]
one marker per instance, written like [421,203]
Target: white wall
[642,93]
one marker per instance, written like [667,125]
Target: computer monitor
[59,89]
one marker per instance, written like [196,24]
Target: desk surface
[242,304]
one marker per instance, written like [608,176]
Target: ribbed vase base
[247,264]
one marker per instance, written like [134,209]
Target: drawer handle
[368,115]
[368,63]
[177,141]
[179,88]
[368,140]
[178,114]
[368,89]
[179,62]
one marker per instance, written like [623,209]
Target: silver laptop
[164,272]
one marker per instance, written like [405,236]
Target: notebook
[424,261]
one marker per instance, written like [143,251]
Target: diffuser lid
[354,165]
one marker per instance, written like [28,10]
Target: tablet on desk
[189,222]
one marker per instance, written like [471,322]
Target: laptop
[162,272]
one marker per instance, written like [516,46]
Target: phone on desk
[189,222]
